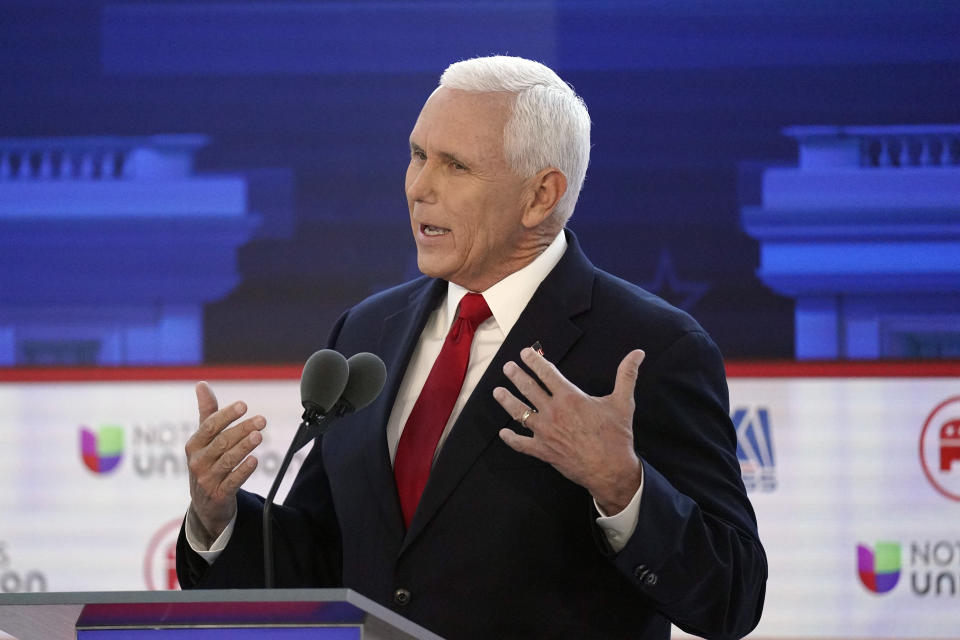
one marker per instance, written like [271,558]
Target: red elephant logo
[949,444]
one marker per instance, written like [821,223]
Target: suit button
[645,575]
[401,597]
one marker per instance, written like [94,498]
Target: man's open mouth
[430,230]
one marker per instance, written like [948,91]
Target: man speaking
[552,455]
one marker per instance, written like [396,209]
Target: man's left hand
[588,439]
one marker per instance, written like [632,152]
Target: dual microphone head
[332,385]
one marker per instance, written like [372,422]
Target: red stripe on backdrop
[735,369]
[845,369]
[136,374]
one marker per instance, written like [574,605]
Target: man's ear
[548,187]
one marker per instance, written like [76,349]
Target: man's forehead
[455,113]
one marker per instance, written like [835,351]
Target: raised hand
[586,438]
[219,460]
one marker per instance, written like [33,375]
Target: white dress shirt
[507,299]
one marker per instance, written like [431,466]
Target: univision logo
[156,449]
[101,450]
[879,567]
[933,567]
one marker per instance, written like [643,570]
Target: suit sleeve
[695,551]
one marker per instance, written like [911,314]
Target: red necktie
[430,413]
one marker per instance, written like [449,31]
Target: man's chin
[431,268]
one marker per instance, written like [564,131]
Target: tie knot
[474,309]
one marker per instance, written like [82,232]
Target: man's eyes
[421,156]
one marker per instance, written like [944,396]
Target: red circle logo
[940,448]
[160,562]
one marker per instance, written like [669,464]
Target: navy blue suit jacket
[502,545]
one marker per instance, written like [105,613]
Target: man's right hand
[219,460]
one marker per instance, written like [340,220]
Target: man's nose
[421,185]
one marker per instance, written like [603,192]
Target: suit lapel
[549,318]
[400,334]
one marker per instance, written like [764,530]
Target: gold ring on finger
[526,415]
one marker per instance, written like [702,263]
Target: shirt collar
[508,298]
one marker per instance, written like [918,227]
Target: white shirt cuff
[619,527]
[194,540]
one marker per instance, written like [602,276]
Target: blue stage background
[310,104]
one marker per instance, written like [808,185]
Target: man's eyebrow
[449,157]
[446,155]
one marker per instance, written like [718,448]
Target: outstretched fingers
[589,439]
[546,372]
[514,406]
[232,482]
[221,466]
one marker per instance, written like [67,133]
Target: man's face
[466,203]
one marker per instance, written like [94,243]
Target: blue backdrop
[310,104]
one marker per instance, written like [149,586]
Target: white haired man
[592,491]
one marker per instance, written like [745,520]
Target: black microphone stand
[314,424]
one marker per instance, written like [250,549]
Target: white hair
[549,126]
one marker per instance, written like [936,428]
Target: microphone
[322,382]
[330,387]
[366,379]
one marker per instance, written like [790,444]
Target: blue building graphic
[864,234]
[110,247]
